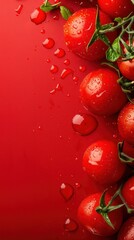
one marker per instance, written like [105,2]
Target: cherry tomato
[126,123]
[101,93]
[116,8]
[128,192]
[126,67]
[38,16]
[94,221]
[127,230]
[101,159]
[129,151]
[78,31]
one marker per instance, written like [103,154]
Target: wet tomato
[128,192]
[93,221]
[127,230]
[116,8]
[101,93]
[78,31]
[100,160]
[126,123]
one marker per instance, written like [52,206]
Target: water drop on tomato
[67,62]
[59,52]
[54,69]
[70,225]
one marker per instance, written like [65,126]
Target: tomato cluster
[105,91]
[92,34]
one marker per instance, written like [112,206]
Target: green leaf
[114,52]
[106,26]
[65,12]
[124,157]
[92,40]
[104,39]
[47,6]
[118,19]
[107,219]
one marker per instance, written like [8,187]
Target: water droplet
[66,72]
[48,43]
[53,91]
[56,17]
[82,68]
[115,136]
[19,9]
[70,225]
[77,185]
[58,87]
[67,62]
[38,16]
[84,124]
[75,79]
[43,31]
[48,60]
[59,52]
[54,69]
[67,191]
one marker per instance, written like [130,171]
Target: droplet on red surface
[53,91]
[58,87]
[54,69]
[48,60]
[48,43]
[19,9]
[82,68]
[66,72]
[67,191]
[84,124]
[70,225]
[75,79]
[59,52]
[67,62]
[42,31]
[77,185]
[38,16]
[56,17]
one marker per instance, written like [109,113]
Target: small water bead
[19,9]
[67,191]
[43,31]
[66,72]
[56,17]
[84,124]
[75,79]
[54,69]
[67,62]
[53,91]
[59,52]
[48,43]
[77,185]
[82,68]
[58,87]
[48,60]
[70,225]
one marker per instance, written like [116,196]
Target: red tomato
[127,230]
[126,123]
[116,8]
[38,16]
[101,93]
[93,221]
[128,192]
[126,67]
[78,31]
[101,159]
[129,151]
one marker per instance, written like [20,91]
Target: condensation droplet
[54,69]
[59,52]
[66,72]
[67,62]
[18,10]
[67,191]
[82,68]
[70,225]
[48,43]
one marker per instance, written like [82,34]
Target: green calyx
[127,87]
[114,51]
[104,209]
[48,7]
[124,157]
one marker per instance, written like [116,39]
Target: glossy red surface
[38,148]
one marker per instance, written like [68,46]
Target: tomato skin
[127,68]
[100,159]
[127,230]
[100,92]
[93,221]
[78,31]
[126,123]
[116,8]
[38,16]
[129,151]
[128,192]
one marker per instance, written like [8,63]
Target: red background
[38,148]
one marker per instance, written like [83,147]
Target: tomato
[94,221]
[101,93]
[126,123]
[78,31]
[128,150]
[116,8]
[127,230]
[38,16]
[101,159]
[126,67]
[128,192]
